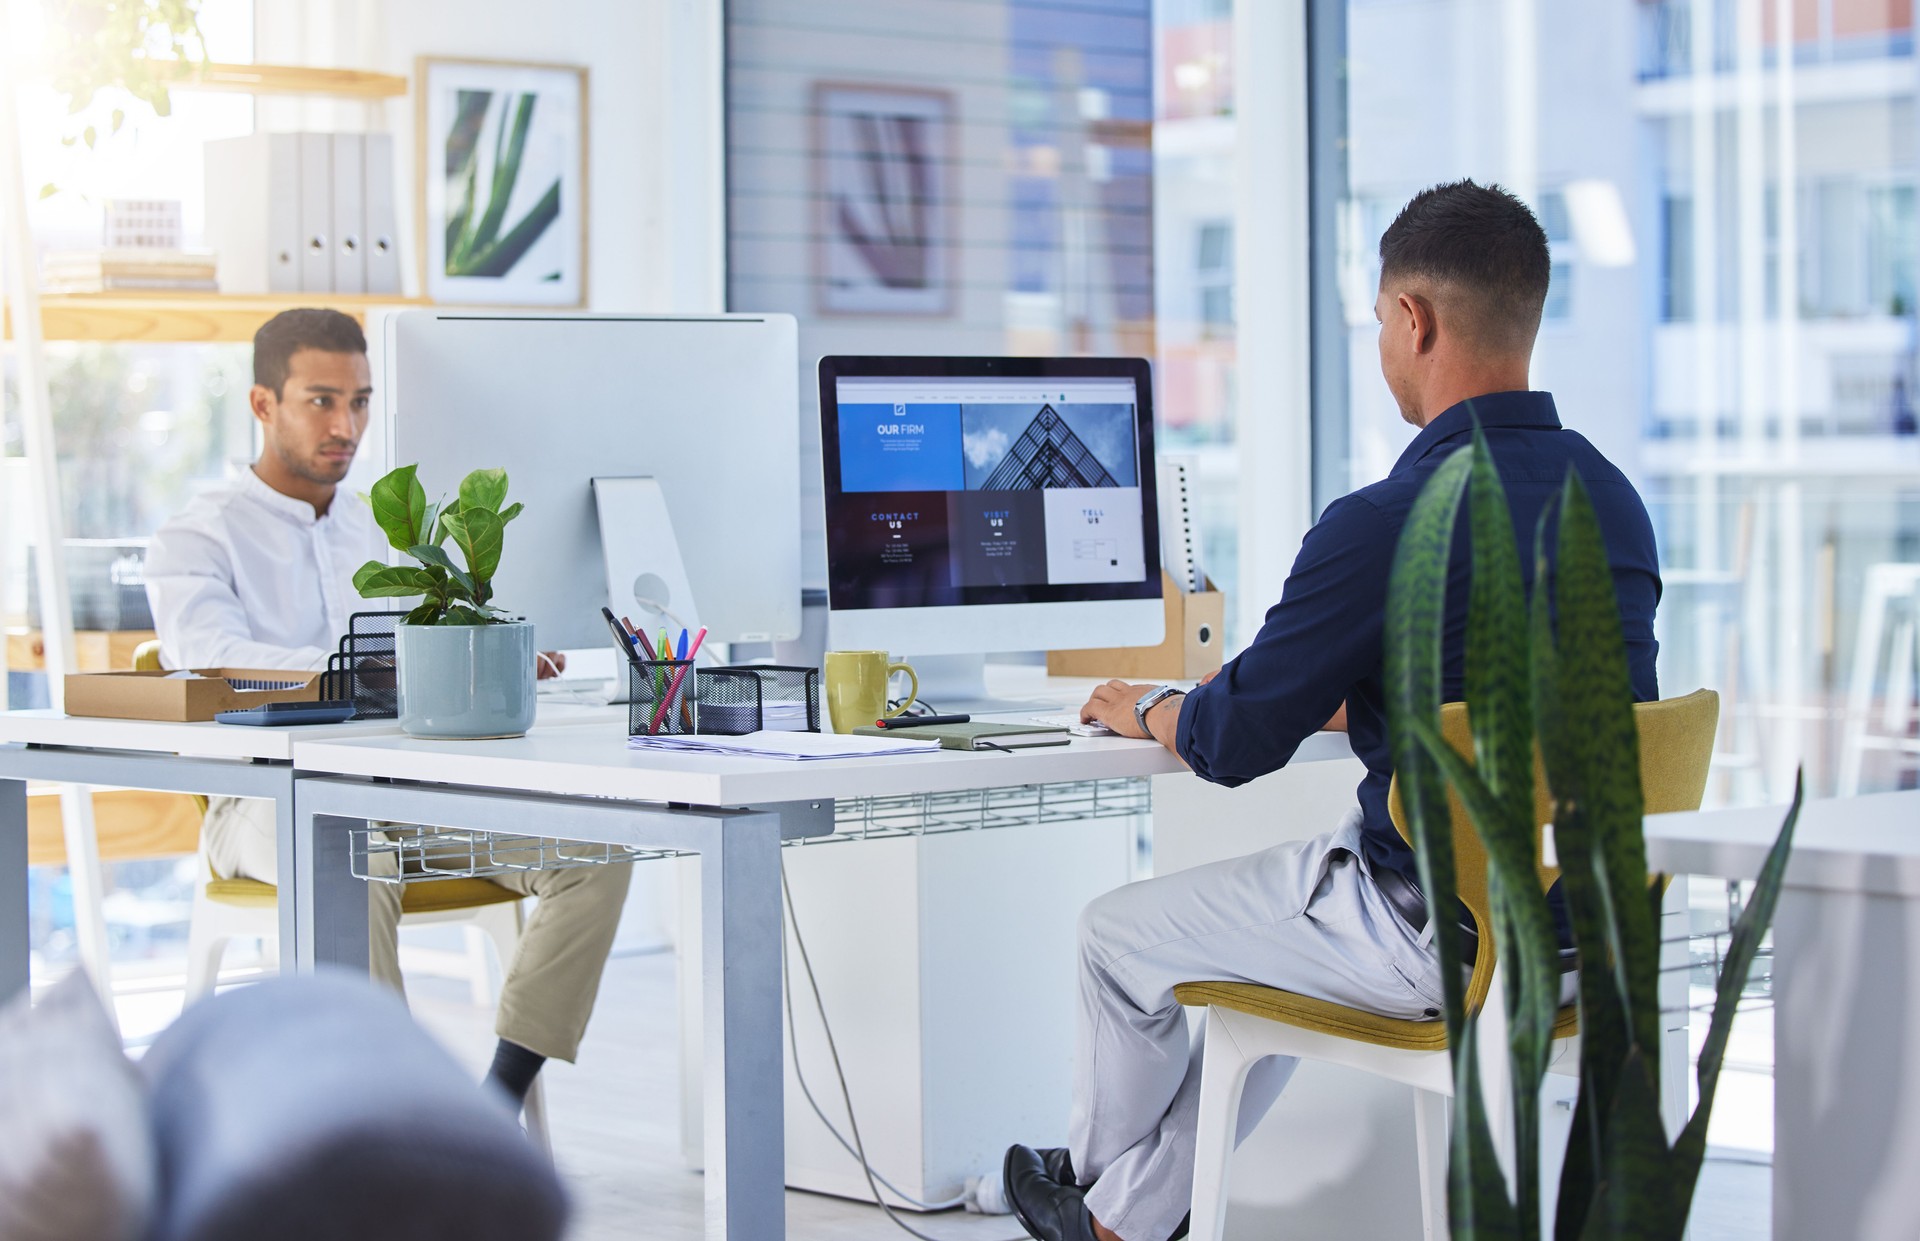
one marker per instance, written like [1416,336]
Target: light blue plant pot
[465,681]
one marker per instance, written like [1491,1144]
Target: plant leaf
[1637,1197]
[485,489]
[391,581]
[478,533]
[461,614]
[400,504]
[429,553]
[427,613]
[1747,934]
[510,512]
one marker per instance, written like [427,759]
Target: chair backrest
[1676,746]
[146,656]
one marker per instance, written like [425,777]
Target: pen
[674,688]
[916,721]
[683,645]
[639,637]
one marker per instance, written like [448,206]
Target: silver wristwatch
[1148,701]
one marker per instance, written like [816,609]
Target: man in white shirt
[258,573]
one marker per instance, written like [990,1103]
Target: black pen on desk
[919,721]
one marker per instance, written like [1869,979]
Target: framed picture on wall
[883,173]
[502,182]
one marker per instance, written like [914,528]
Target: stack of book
[128,270]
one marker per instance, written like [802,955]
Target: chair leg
[206,944]
[535,1112]
[479,971]
[1223,1076]
[1430,1129]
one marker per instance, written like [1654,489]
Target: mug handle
[911,696]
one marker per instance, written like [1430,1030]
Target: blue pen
[681,651]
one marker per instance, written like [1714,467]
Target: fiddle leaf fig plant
[475,520]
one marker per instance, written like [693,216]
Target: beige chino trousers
[554,977]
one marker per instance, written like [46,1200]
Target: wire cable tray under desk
[412,854]
[973,810]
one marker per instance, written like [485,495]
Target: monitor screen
[956,481]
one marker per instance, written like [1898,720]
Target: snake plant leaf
[1416,602]
[484,489]
[1479,1207]
[1636,1200]
[428,553]
[1500,714]
[1691,1147]
[1597,690]
[478,533]
[391,581]
[399,506]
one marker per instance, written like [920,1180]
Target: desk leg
[13,888]
[740,981]
[287,876]
[330,909]
[1846,1100]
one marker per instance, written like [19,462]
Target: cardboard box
[1191,649]
[165,696]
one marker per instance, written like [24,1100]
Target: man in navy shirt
[1463,280]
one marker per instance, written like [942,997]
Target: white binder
[380,226]
[253,212]
[348,196]
[1180,553]
[316,213]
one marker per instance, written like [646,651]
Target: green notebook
[975,736]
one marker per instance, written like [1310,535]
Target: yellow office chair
[226,908]
[1247,1023]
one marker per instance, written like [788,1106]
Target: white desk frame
[575,784]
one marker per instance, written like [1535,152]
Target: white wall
[653,180]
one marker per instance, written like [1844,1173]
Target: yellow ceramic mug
[857,688]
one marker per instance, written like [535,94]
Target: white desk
[1846,980]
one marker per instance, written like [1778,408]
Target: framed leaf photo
[502,182]
[882,167]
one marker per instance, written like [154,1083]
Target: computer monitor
[977,505]
[706,404]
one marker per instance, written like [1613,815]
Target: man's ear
[1421,321]
[262,401]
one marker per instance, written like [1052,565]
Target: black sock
[514,1068]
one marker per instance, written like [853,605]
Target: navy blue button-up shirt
[1321,644]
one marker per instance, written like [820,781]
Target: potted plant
[1552,669]
[465,668]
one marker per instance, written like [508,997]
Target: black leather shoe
[1058,1161]
[1048,1210]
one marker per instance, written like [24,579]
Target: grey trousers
[552,980]
[1304,917]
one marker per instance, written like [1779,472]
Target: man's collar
[1533,410]
[278,501]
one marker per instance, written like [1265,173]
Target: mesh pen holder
[362,670]
[660,697]
[750,698]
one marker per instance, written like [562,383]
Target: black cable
[860,1148]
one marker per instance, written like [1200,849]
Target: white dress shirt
[245,577]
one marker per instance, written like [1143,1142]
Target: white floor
[615,1126]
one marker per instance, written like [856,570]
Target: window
[1069,168]
[1745,355]
[1213,275]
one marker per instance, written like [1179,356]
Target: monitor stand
[958,683]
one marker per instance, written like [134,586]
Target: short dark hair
[1485,247]
[290,331]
